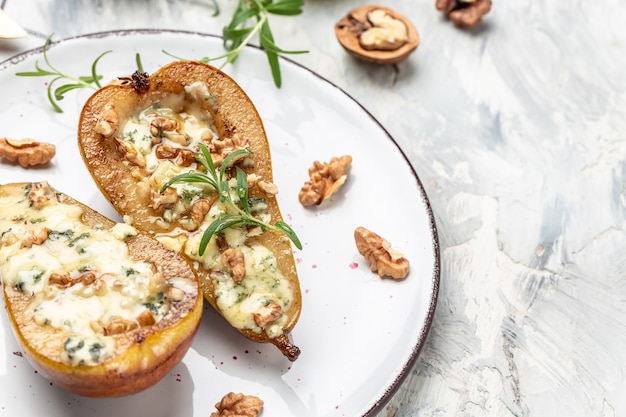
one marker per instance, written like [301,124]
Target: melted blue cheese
[123,292]
[263,282]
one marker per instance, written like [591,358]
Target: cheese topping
[81,280]
[165,134]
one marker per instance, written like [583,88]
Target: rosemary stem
[232,55]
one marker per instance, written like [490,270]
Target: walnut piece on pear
[377,34]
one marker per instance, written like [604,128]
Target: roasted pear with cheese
[97,308]
[183,155]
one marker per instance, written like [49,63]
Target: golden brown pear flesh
[119,179]
[143,356]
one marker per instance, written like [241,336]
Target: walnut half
[325,178]
[238,405]
[26,152]
[464,12]
[378,252]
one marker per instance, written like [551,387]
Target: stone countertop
[517,129]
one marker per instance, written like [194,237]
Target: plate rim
[403,373]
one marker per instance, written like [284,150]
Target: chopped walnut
[325,179]
[87,278]
[107,122]
[378,252]
[238,405]
[235,260]
[64,280]
[267,187]
[267,314]
[100,286]
[35,237]
[464,12]
[145,318]
[166,152]
[131,154]
[175,294]
[223,147]
[118,325]
[40,194]
[167,200]
[26,152]
[182,157]
[160,125]
[157,283]
[165,127]
[60,280]
[199,210]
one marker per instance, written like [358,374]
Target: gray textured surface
[518,130]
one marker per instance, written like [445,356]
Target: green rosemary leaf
[206,160]
[234,34]
[217,8]
[242,189]
[291,234]
[39,73]
[94,74]
[45,54]
[242,15]
[189,177]
[232,157]
[286,7]
[60,91]
[89,79]
[220,224]
[43,71]
[224,190]
[51,99]
[138,62]
[267,43]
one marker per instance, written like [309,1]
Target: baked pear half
[183,155]
[97,308]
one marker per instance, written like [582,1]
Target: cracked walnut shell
[26,152]
[378,252]
[377,34]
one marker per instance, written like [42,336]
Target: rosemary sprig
[250,19]
[56,94]
[238,214]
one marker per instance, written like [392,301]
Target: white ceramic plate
[359,334]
